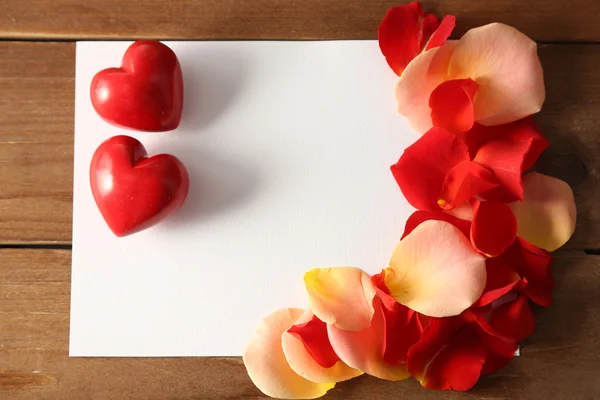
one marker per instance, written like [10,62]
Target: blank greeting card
[288,147]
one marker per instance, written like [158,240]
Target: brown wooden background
[560,361]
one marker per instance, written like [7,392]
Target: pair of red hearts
[134,191]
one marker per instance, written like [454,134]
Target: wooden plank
[559,361]
[560,20]
[36,137]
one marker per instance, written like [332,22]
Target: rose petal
[267,366]
[400,338]
[512,149]
[423,166]
[494,227]
[449,356]
[442,33]
[499,352]
[514,320]
[451,105]
[309,353]
[463,182]
[546,217]
[402,327]
[364,350]
[501,279]
[313,335]
[504,62]
[535,265]
[435,270]
[418,80]
[403,33]
[418,217]
[340,296]
[463,211]
[499,349]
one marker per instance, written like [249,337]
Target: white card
[288,147]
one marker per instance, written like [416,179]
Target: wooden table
[560,361]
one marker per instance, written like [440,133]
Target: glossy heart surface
[145,93]
[134,191]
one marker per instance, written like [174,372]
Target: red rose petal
[499,349]
[535,265]
[313,334]
[501,279]
[451,105]
[442,33]
[494,227]
[499,352]
[435,336]
[464,181]
[514,320]
[421,170]
[403,33]
[400,335]
[402,327]
[458,366]
[507,150]
[424,320]
[449,356]
[418,217]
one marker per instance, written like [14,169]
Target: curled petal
[435,270]
[442,33]
[402,325]
[403,33]
[340,296]
[266,363]
[423,166]
[499,352]
[505,64]
[546,217]
[466,180]
[364,350]
[309,353]
[499,349]
[514,320]
[452,105]
[534,265]
[494,227]
[501,279]
[418,217]
[510,150]
[449,356]
[418,80]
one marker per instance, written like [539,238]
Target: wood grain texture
[36,141]
[558,20]
[36,137]
[560,361]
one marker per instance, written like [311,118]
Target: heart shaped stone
[134,191]
[145,93]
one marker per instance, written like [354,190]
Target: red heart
[132,191]
[146,93]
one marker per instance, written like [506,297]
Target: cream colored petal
[546,217]
[304,365]
[364,350]
[505,64]
[340,296]
[267,366]
[436,271]
[419,79]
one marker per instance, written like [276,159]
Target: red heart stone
[132,191]
[146,93]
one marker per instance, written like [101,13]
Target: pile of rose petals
[455,300]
